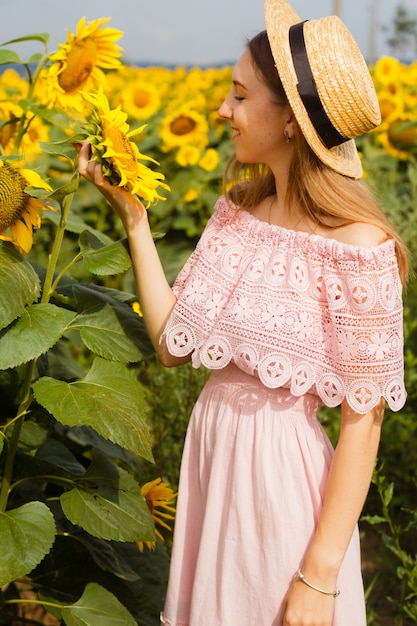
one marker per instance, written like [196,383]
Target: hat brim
[279,17]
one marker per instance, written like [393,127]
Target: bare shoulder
[359,234]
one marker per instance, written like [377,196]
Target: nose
[225,109]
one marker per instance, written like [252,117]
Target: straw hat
[327,82]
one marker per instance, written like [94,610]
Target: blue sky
[191,32]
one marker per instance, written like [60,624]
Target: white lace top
[296,309]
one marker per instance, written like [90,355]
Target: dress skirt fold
[253,477]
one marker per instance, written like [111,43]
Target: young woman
[293,299]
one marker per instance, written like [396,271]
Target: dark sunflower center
[182,125]
[13,200]
[81,60]
[122,145]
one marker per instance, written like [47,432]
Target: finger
[84,154]
[85,150]
[98,176]
[89,168]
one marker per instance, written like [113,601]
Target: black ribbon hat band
[308,91]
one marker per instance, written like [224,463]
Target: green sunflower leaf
[34,58]
[34,333]
[102,259]
[60,193]
[94,300]
[8,56]
[27,534]
[59,148]
[109,399]
[97,606]
[19,284]
[43,37]
[108,503]
[104,333]
[111,556]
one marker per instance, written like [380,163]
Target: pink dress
[286,321]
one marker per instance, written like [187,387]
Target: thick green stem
[56,248]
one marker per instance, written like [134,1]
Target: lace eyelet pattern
[295,309]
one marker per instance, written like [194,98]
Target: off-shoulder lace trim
[295,309]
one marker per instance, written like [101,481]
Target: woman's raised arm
[154,292]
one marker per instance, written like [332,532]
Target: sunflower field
[91,427]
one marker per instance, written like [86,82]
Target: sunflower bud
[403,134]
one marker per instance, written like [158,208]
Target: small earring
[287,136]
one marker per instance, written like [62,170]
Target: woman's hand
[128,207]
[306,607]
[347,486]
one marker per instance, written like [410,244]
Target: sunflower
[36,131]
[76,65]
[210,160]
[184,127]
[19,212]
[139,99]
[187,155]
[384,140]
[109,135]
[158,495]
[399,138]
[402,133]
[12,85]
[386,71]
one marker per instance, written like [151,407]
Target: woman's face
[257,120]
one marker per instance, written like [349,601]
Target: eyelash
[239,98]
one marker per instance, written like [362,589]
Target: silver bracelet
[300,576]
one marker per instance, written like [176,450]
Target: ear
[290,126]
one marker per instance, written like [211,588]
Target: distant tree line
[403,40]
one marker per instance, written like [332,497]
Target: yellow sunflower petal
[5,237]
[22,236]
[159,495]
[151,545]
[32,214]
[35,180]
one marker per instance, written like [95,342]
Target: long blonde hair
[326,197]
